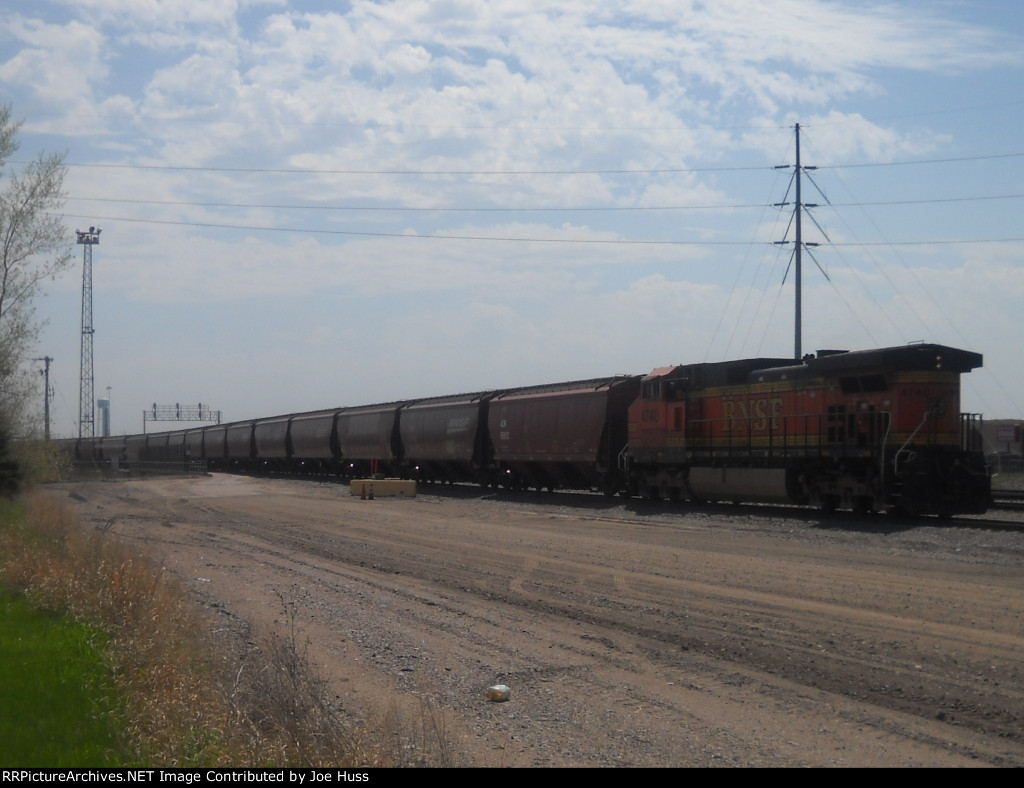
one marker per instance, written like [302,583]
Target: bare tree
[34,247]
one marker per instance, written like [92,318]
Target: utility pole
[86,405]
[46,395]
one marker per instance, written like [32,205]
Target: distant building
[1002,443]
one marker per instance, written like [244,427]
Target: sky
[313,204]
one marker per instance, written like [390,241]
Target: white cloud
[155,14]
[60,64]
[539,106]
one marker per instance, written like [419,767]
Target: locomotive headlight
[938,362]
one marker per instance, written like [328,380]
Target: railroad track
[998,518]
[1008,499]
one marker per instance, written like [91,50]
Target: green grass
[52,691]
[86,618]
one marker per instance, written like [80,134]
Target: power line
[603,241]
[423,209]
[303,171]
[375,124]
[563,172]
[949,160]
[508,209]
[427,236]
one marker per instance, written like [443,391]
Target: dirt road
[630,636]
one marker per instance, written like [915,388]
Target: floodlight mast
[86,404]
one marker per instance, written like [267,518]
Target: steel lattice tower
[86,409]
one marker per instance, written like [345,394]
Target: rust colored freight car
[866,430]
[566,435]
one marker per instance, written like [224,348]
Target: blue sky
[314,204]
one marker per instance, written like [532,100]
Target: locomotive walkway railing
[971,432]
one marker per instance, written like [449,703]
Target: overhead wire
[523,209]
[561,172]
[733,288]
[508,239]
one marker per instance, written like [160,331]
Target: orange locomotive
[865,430]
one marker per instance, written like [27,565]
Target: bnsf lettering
[758,413]
[650,416]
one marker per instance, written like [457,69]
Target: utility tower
[86,406]
[799,245]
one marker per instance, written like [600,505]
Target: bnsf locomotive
[865,430]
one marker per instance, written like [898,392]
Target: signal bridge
[178,412]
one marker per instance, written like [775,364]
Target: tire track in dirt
[629,639]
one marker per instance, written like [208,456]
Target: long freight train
[864,430]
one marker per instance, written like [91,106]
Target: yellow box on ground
[383,488]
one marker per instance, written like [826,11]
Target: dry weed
[184,706]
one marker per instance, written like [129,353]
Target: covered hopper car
[567,435]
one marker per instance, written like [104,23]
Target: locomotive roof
[719,373]
[922,356]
